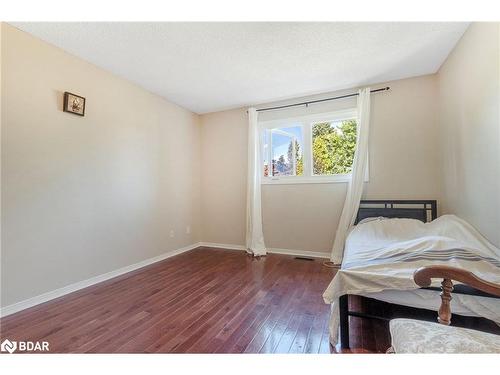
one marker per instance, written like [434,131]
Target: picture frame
[74,104]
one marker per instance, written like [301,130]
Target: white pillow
[368,219]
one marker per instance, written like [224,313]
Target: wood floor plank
[202,301]
[313,341]
[284,304]
[286,340]
[303,331]
[252,294]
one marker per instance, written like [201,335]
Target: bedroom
[220,199]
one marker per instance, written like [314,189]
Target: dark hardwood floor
[202,301]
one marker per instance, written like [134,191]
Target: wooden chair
[415,336]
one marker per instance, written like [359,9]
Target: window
[318,148]
[285,152]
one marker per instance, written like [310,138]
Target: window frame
[305,122]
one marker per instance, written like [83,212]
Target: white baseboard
[223,246]
[11,309]
[45,297]
[303,253]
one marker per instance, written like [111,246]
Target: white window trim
[306,123]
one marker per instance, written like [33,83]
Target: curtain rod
[319,100]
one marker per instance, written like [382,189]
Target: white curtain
[355,185]
[254,237]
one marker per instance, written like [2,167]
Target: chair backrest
[424,275]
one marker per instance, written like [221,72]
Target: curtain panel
[355,184]
[254,234]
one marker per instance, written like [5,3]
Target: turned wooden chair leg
[445,309]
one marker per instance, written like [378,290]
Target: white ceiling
[207,67]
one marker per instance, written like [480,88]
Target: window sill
[306,180]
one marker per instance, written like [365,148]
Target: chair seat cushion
[415,336]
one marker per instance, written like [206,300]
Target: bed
[393,238]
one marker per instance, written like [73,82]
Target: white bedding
[382,254]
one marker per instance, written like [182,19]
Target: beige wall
[82,196]
[469,120]
[223,176]
[403,164]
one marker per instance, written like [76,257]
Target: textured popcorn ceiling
[207,67]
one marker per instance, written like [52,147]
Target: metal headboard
[423,210]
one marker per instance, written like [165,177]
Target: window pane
[286,152]
[333,146]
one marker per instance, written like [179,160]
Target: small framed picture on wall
[74,104]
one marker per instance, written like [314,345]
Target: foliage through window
[314,148]
[333,146]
